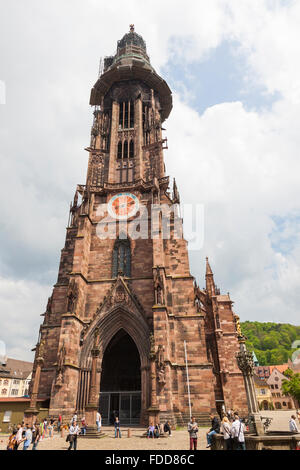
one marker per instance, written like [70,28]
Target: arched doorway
[120,384]
[265,405]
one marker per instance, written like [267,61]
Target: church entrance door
[120,387]
[125,405]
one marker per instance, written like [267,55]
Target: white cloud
[244,168]
[21,303]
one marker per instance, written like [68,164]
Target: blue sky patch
[286,233]
[222,76]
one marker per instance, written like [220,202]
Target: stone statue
[41,349]
[161,376]
[96,338]
[72,296]
[152,347]
[61,357]
[159,300]
[160,356]
[60,366]
[59,379]
[82,333]
[158,286]
[198,304]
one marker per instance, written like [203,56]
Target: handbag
[227,432]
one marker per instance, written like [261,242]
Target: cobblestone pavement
[280,419]
[178,441]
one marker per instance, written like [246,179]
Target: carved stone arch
[109,324]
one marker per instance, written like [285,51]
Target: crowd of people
[155,431]
[25,434]
[232,427]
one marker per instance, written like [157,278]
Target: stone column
[92,406]
[113,142]
[153,410]
[93,395]
[32,412]
[153,384]
[245,363]
[93,400]
[138,126]
[144,394]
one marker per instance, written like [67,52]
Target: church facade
[125,305]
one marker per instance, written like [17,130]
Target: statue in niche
[60,366]
[152,347]
[120,295]
[82,333]
[160,360]
[72,296]
[198,304]
[161,376]
[59,379]
[160,356]
[61,357]
[96,338]
[41,349]
[158,287]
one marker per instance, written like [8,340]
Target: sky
[233,136]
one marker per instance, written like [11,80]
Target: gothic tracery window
[121,263]
[126,115]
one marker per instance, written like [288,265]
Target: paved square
[178,441]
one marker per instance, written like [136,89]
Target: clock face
[122,206]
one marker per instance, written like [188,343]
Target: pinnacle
[208,268]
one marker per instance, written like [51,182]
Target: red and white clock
[122,206]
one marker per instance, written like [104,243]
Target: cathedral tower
[124,301]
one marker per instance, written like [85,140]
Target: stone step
[202,419]
[92,433]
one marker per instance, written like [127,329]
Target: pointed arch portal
[121,380]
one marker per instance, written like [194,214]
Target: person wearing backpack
[237,433]
[35,435]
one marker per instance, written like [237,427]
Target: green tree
[292,386]
[288,373]
[271,341]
